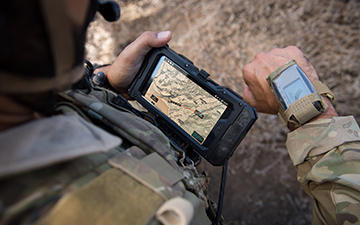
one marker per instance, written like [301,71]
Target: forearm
[325,150]
[326,153]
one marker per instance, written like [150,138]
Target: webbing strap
[322,89]
[112,198]
[160,165]
[146,175]
[302,110]
[305,108]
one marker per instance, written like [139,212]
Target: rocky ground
[221,37]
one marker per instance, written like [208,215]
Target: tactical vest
[146,180]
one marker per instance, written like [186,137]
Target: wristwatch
[300,99]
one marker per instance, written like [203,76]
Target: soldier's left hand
[123,70]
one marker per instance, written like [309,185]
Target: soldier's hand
[122,71]
[257,91]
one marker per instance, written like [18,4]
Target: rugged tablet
[191,109]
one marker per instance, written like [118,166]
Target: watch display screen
[291,85]
[296,90]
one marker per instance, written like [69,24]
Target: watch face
[295,90]
[292,85]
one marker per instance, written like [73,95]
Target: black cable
[221,194]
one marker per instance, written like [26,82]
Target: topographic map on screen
[192,108]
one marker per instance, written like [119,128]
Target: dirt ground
[222,36]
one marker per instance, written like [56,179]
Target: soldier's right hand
[257,91]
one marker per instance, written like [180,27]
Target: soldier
[56,165]
[325,150]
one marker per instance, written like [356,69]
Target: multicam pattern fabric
[32,196]
[147,175]
[22,196]
[327,155]
[139,132]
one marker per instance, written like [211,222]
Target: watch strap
[304,109]
[323,90]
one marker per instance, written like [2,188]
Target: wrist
[99,77]
[103,68]
[301,99]
[108,80]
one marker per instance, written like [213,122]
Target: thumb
[148,40]
[126,65]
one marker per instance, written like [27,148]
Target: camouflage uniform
[66,170]
[326,153]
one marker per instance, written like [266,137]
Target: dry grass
[221,37]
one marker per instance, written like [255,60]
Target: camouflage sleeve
[326,153]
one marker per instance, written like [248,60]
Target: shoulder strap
[151,151]
[129,126]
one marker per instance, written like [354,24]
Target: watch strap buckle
[304,109]
[322,89]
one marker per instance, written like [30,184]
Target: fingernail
[163,34]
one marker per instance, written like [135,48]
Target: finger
[124,68]
[292,52]
[279,52]
[147,40]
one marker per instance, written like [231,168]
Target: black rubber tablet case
[229,130]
